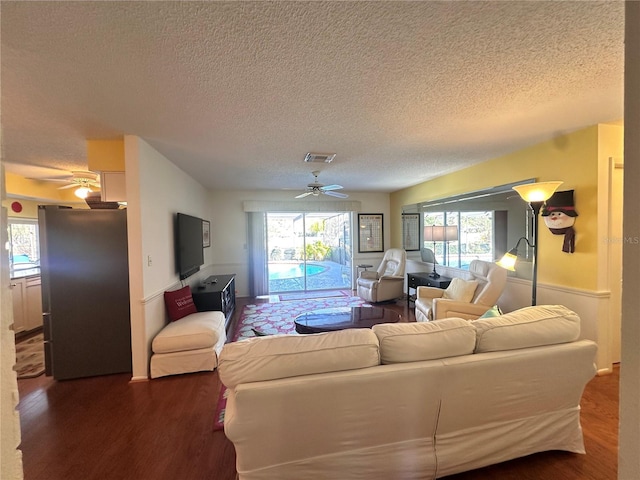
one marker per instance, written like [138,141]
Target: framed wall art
[206,234]
[411,231]
[370,233]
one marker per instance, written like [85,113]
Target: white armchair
[387,283]
[491,280]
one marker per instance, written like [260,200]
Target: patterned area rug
[30,357]
[308,295]
[273,319]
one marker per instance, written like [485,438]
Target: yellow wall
[105,155]
[20,187]
[30,207]
[572,158]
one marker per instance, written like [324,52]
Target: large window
[472,238]
[24,246]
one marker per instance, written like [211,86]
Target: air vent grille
[319,157]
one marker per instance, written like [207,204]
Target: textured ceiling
[236,93]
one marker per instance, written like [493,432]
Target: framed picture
[206,234]
[411,231]
[370,232]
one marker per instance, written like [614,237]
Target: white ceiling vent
[319,157]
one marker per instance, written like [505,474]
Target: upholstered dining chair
[467,298]
[387,283]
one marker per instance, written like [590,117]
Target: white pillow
[418,341]
[460,290]
[281,356]
[527,327]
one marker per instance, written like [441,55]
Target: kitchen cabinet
[26,294]
[113,187]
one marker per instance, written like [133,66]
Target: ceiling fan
[316,189]
[80,179]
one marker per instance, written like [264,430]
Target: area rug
[320,294]
[272,319]
[30,357]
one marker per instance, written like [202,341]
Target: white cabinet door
[33,310]
[18,297]
[113,187]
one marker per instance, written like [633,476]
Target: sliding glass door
[308,251]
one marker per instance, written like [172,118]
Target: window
[24,244]
[474,240]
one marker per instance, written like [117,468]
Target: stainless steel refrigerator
[85,291]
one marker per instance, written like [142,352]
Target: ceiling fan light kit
[316,189]
[82,192]
[81,180]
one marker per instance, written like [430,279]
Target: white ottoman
[191,344]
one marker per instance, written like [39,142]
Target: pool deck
[334,276]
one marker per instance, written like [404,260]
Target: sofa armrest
[429,292]
[446,308]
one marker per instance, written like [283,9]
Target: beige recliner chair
[387,283]
[491,280]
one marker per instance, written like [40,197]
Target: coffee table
[330,319]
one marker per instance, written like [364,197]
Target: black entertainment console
[218,293]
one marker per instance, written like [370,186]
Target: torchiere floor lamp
[535,194]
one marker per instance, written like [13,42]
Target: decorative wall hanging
[371,235]
[206,234]
[559,214]
[411,231]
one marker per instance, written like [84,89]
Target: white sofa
[407,400]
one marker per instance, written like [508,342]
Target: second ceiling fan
[316,189]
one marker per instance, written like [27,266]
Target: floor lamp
[439,233]
[535,194]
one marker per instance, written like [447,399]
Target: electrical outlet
[149,261]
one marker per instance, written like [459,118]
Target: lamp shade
[440,233]
[537,192]
[508,261]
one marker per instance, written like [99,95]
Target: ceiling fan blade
[302,195]
[331,187]
[68,186]
[335,194]
[60,180]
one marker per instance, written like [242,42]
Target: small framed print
[411,231]
[370,232]
[206,234]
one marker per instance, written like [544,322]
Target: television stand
[218,294]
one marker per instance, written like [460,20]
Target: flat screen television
[189,250]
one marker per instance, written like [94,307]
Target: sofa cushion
[179,303]
[282,356]
[460,290]
[414,342]
[527,327]
[198,330]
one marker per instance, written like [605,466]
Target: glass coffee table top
[330,319]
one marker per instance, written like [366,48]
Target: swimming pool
[280,271]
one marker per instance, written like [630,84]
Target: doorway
[308,251]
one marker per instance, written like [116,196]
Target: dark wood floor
[106,428]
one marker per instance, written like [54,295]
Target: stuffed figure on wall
[559,215]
